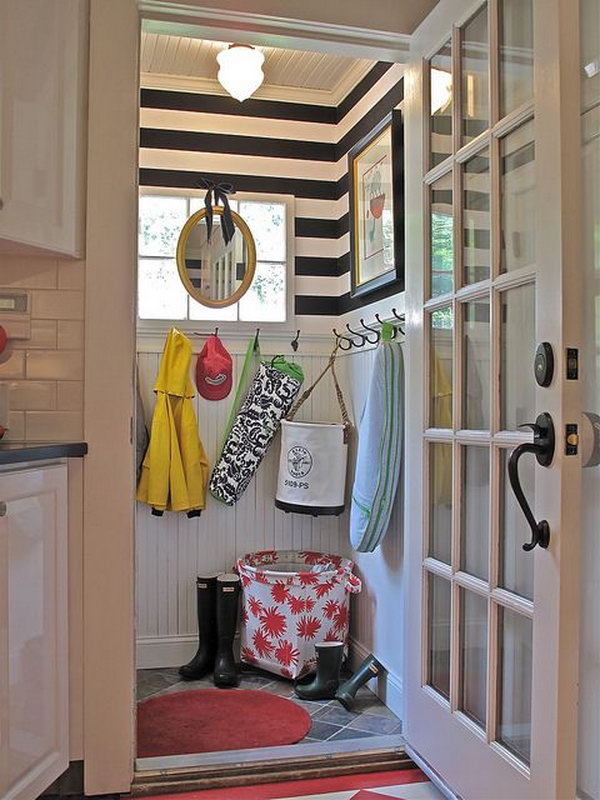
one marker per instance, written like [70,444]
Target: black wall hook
[375,331]
[340,337]
[363,338]
[295,341]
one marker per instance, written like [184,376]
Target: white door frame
[110,348]
[556,629]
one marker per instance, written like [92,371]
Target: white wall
[172,550]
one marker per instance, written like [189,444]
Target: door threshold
[192,772]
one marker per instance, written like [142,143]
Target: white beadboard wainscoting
[172,550]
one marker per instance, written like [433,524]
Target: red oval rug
[206,720]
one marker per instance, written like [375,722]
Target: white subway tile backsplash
[16,426]
[69,395]
[32,395]
[43,334]
[66,365]
[71,275]
[44,426]
[28,272]
[12,364]
[70,335]
[57,305]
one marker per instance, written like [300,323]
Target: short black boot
[346,694]
[325,683]
[206,601]
[228,594]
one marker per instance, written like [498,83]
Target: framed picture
[376,174]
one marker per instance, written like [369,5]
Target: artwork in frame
[376,174]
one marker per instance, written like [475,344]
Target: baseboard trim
[165,651]
[388,686]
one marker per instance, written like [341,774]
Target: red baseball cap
[214,370]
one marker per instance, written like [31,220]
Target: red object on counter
[3,339]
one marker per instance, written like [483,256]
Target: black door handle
[542,448]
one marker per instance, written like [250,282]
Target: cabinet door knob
[3,508]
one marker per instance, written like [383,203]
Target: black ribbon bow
[216,194]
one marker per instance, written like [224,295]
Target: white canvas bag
[313,459]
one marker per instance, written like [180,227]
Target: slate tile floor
[331,722]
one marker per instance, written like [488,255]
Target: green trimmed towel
[379,457]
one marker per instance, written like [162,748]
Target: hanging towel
[271,396]
[379,457]
[175,469]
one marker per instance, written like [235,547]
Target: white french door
[493,271]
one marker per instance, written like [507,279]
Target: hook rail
[374,335]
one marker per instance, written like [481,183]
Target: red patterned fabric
[287,609]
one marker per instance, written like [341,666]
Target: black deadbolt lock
[543,365]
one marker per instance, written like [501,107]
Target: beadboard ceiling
[181,62]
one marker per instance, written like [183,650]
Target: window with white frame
[162,295]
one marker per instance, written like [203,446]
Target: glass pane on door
[517,351]
[442,236]
[515,642]
[439,635]
[440,501]
[475,520]
[440,94]
[442,349]
[476,218]
[475,83]
[516,54]
[476,365]
[516,566]
[473,655]
[517,191]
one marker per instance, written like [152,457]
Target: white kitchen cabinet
[34,706]
[43,81]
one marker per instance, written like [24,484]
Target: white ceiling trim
[201,22]
[290,94]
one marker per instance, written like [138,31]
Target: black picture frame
[394,275]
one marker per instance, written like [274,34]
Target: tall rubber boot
[369,668]
[228,594]
[325,683]
[206,604]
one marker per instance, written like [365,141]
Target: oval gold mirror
[214,273]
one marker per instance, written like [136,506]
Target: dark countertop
[15,452]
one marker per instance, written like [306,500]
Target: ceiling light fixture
[240,70]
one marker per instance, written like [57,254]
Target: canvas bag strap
[338,392]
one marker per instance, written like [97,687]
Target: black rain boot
[325,683]
[206,601]
[346,694]
[228,594]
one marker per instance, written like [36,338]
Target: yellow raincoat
[175,469]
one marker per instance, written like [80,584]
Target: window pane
[516,569]
[200,312]
[265,301]
[475,521]
[517,351]
[476,218]
[440,368]
[161,221]
[476,369]
[475,111]
[440,501]
[517,189]
[514,701]
[161,294]
[440,92]
[442,236]
[439,635]
[473,655]
[516,54]
[267,223]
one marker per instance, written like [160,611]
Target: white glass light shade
[240,70]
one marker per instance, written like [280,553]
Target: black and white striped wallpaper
[278,148]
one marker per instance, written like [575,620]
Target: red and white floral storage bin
[292,600]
